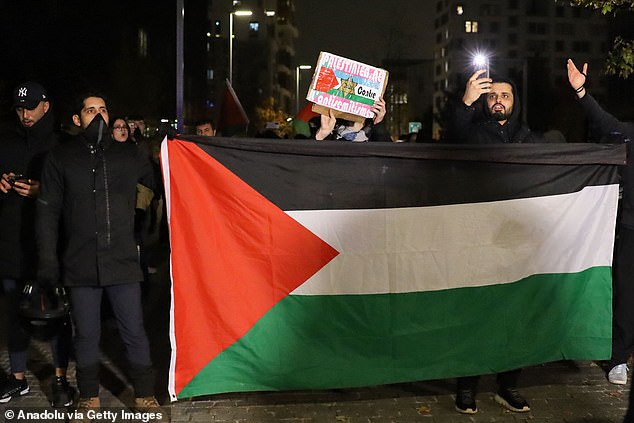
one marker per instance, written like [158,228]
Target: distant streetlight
[237,13]
[297,69]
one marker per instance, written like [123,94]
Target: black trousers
[18,338]
[623,297]
[125,300]
[505,380]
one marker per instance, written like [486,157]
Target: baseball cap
[29,95]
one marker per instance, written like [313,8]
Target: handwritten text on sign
[346,85]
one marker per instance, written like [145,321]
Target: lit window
[471,26]
[142,42]
[210,74]
[254,26]
[459,9]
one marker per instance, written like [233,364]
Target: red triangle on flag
[234,255]
[326,80]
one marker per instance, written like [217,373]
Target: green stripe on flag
[329,341]
[352,97]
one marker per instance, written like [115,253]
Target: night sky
[368,31]
[36,39]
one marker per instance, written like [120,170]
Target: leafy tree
[620,60]
[269,111]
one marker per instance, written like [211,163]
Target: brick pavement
[566,392]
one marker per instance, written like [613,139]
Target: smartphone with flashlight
[481,62]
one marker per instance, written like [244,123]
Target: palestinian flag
[310,265]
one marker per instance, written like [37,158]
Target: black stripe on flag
[310,175]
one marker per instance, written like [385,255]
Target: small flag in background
[233,118]
[300,123]
[299,265]
[307,113]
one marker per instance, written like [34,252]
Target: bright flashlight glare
[480,60]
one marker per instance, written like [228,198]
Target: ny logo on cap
[22,92]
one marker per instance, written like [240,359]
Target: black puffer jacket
[90,187]
[474,125]
[22,150]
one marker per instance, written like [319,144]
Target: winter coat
[473,124]
[90,188]
[22,151]
[607,127]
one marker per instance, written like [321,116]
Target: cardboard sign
[348,87]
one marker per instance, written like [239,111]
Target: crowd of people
[72,204]
[75,211]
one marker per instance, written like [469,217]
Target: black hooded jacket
[89,185]
[22,151]
[474,124]
[604,125]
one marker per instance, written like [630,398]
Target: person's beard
[499,115]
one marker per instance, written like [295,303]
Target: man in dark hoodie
[22,152]
[87,200]
[495,121]
[491,118]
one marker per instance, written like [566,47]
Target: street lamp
[297,69]
[237,13]
[180,22]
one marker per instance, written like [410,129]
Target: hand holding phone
[18,178]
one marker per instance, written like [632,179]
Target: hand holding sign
[352,89]
[379,110]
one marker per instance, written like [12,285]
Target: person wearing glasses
[120,130]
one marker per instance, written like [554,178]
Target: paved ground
[570,392]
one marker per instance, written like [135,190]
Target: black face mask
[97,130]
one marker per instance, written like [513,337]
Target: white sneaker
[618,374]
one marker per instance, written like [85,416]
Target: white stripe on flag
[478,244]
[165,164]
